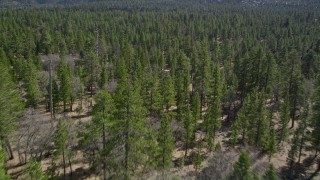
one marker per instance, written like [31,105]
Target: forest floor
[36,125]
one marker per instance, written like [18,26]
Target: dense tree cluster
[142,73]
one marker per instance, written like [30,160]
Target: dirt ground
[215,165]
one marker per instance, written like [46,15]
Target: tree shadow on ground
[79,173]
[299,170]
[220,166]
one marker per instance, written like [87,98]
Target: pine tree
[153,99]
[295,88]
[258,124]
[166,143]
[268,73]
[301,131]
[55,95]
[34,171]
[64,76]
[284,119]
[251,121]
[11,106]
[213,116]
[196,107]
[202,74]
[103,77]
[188,128]
[168,93]
[3,173]
[271,144]
[181,99]
[315,116]
[45,45]
[242,167]
[33,94]
[136,137]
[197,160]
[92,69]
[61,144]
[103,112]
[270,173]
[292,154]
[241,125]
[298,141]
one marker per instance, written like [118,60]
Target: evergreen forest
[163,89]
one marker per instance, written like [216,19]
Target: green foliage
[35,172]
[45,45]
[132,131]
[33,94]
[62,144]
[271,144]
[270,174]
[242,167]
[102,126]
[65,79]
[315,116]
[252,121]
[295,84]
[197,160]
[188,128]
[10,103]
[168,93]
[3,173]
[61,138]
[103,110]
[153,98]
[213,116]
[158,57]
[284,119]
[196,107]
[166,143]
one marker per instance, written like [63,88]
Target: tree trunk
[293,115]
[103,158]
[186,150]
[70,166]
[9,150]
[50,93]
[64,165]
[291,168]
[300,149]
[64,106]
[127,139]
[243,136]
[201,105]
[71,104]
